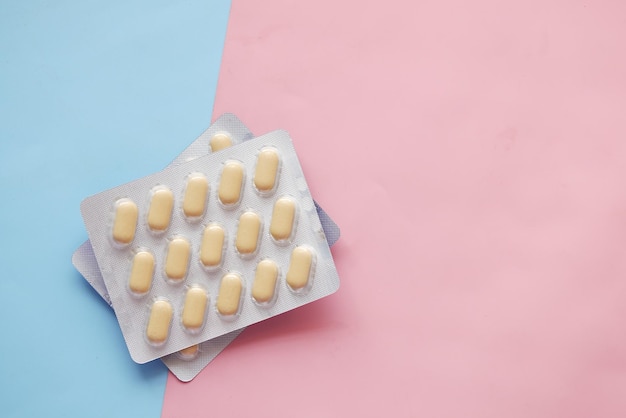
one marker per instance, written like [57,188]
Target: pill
[219,141]
[194,308]
[229,295]
[283,217]
[212,245]
[160,212]
[189,352]
[125,222]
[141,272]
[300,267]
[265,279]
[266,172]
[158,328]
[177,259]
[231,182]
[196,191]
[248,233]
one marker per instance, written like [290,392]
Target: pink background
[473,154]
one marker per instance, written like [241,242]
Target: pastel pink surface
[473,154]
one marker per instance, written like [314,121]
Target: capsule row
[213,246]
[230,296]
[177,262]
[196,190]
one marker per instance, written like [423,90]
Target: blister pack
[210,246]
[187,363]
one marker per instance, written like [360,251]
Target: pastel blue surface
[92,94]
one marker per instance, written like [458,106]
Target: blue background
[92,94]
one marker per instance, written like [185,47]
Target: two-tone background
[473,154]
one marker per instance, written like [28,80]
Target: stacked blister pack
[226,236]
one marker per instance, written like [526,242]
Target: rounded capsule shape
[212,246]
[125,221]
[265,279]
[231,183]
[194,309]
[141,273]
[229,297]
[283,222]
[190,352]
[301,268]
[220,141]
[160,211]
[195,198]
[267,170]
[177,258]
[248,233]
[159,322]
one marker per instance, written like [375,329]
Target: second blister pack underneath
[161,316]
[186,364]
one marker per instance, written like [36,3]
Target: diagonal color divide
[473,154]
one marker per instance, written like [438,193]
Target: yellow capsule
[265,278]
[283,219]
[266,172]
[189,352]
[248,232]
[229,295]
[300,268]
[177,259]
[212,245]
[125,222]
[196,192]
[141,273]
[220,141]
[231,183]
[160,212]
[158,328]
[194,308]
